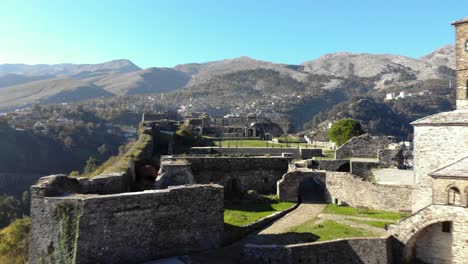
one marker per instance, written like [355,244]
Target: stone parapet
[128,227]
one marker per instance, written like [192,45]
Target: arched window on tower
[466,45]
[453,196]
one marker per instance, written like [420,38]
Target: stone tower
[461,51]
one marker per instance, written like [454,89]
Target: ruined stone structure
[297,153]
[69,225]
[236,174]
[111,219]
[364,146]
[346,189]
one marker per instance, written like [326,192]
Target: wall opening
[234,187]
[453,196]
[430,245]
[344,168]
[311,190]
[446,227]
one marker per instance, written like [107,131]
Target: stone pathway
[278,232]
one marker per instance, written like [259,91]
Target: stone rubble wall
[173,174]
[348,190]
[363,169]
[252,173]
[298,153]
[359,250]
[364,146]
[356,192]
[334,165]
[128,227]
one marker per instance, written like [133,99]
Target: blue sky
[166,33]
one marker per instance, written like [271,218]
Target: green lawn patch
[378,224]
[243,213]
[329,230]
[256,143]
[328,154]
[345,210]
[249,143]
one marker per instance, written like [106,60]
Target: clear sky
[166,33]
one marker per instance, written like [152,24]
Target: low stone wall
[334,165]
[298,153]
[123,228]
[359,250]
[239,173]
[355,192]
[364,146]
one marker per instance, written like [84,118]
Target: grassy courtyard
[256,143]
[329,230]
[336,222]
[345,210]
[241,213]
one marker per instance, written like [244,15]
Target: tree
[102,149]
[91,165]
[343,130]
[10,209]
[14,241]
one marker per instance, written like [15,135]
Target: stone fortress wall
[364,146]
[297,153]
[363,250]
[346,189]
[102,220]
[246,173]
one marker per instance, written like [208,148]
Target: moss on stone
[69,221]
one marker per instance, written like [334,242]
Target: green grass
[256,143]
[290,139]
[345,210]
[370,222]
[329,230]
[328,154]
[253,143]
[243,213]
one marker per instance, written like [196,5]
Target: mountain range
[23,85]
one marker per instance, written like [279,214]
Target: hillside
[291,94]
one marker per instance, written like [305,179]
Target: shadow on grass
[283,238]
[249,207]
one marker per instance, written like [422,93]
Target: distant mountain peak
[443,56]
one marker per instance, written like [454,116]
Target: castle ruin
[108,219]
